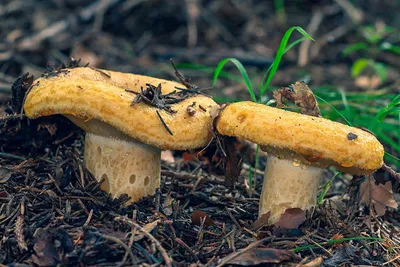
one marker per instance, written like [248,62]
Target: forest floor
[52,210]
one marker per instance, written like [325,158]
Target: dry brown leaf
[167,205]
[377,196]
[261,221]
[291,219]
[314,263]
[5,174]
[301,95]
[148,228]
[198,217]
[336,237]
[263,255]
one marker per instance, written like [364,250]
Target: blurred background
[352,66]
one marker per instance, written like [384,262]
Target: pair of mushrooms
[123,143]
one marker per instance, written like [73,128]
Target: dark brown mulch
[53,212]
[51,208]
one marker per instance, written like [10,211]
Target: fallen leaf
[263,255]
[5,174]
[148,228]
[261,221]
[233,160]
[314,263]
[166,155]
[167,205]
[50,246]
[341,255]
[291,219]
[198,217]
[301,95]
[336,237]
[378,196]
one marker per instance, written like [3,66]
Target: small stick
[240,252]
[184,245]
[11,156]
[119,242]
[102,72]
[163,252]
[89,218]
[163,122]
[392,172]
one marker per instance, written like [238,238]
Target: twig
[89,218]
[185,246]
[356,15]
[10,156]
[240,252]
[192,16]
[312,28]
[33,42]
[392,260]
[163,252]
[185,177]
[163,122]
[119,242]
[391,172]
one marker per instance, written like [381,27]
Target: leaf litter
[53,205]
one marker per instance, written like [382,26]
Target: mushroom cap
[314,140]
[100,104]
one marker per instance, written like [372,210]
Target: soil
[52,211]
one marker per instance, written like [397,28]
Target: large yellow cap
[88,95]
[320,141]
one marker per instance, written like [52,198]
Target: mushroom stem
[288,184]
[127,167]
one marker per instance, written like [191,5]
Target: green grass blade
[279,55]
[392,156]
[384,112]
[340,240]
[325,189]
[287,49]
[332,107]
[242,71]
[345,103]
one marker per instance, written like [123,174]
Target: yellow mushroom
[123,143]
[300,147]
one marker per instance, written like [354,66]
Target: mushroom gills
[127,166]
[288,184]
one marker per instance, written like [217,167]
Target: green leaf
[386,46]
[371,34]
[380,69]
[359,66]
[281,51]
[355,47]
[333,241]
[242,71]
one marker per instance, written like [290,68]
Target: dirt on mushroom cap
[91,99]
[305,135]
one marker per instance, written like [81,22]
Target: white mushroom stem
[288,184]
[128,167]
